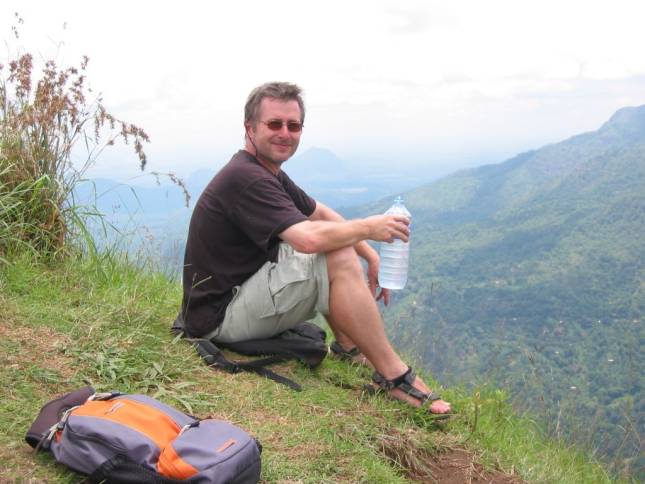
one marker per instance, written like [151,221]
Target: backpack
[119,438]
[304,342]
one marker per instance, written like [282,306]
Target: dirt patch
[421,462]
[36,342]
[19,464]
[458,466]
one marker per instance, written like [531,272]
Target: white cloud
[381,77]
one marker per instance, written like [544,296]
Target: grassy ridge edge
[105,321]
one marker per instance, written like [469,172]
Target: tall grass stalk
[46,120]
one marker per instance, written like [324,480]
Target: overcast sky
[460,82]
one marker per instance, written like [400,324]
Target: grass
[105,322]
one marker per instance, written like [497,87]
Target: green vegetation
[104,322]
[531,272]
[44,121]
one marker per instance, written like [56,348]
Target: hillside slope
[106,323]
[532,271]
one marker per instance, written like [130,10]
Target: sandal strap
[342,352]
[404,383]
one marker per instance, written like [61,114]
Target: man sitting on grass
[263,256]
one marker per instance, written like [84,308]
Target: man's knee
[343,261]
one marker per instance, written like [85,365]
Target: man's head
[282,91]
[273,118]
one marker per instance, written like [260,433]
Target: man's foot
[353,355]
[412,390]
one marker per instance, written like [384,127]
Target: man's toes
[439,406]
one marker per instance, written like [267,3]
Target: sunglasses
[276,125]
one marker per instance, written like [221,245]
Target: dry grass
[43,346]
[44,118]
[439,459]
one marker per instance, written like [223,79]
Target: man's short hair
[283,91]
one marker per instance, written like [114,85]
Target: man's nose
[284,131]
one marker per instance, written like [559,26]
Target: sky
[425,83]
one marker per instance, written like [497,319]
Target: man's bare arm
[327,230]
[315,236]
[323,212]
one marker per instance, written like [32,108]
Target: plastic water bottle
[393,271]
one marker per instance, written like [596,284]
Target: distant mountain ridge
[536,266]
[142,214]
[318,171]
[335,181]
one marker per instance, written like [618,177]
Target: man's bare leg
[354,316]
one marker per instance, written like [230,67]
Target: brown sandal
[405,383]
[342,353]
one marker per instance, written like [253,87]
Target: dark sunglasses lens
[294,127]
[274,125]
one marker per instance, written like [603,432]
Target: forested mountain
[532,272]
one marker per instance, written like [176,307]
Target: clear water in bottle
[393,271]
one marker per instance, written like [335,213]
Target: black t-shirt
[233,232]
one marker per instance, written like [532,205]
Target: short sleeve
[304,202]
[263,210]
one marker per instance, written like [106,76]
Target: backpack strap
[214,357]
[44,427]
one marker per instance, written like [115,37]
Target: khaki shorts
[277,297]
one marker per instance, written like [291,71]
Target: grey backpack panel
[134,438]
[234,450]
[87,442]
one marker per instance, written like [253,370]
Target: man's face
[275,146]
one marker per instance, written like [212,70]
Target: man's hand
[385,295]
[386,228]
[372,281]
